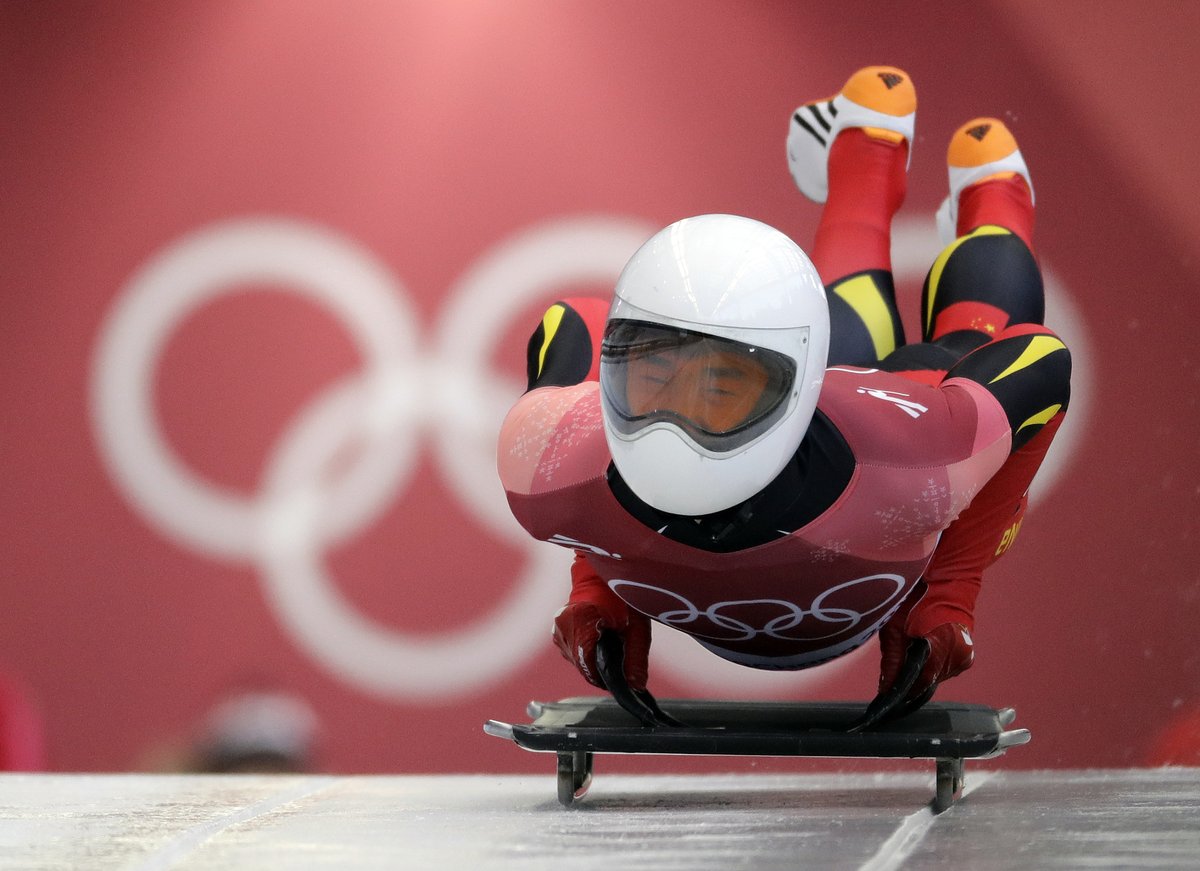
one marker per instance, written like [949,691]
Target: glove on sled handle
[890,703]
[610,662]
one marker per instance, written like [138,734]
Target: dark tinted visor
[721,392]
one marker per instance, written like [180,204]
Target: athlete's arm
[564,352]
[1027,371]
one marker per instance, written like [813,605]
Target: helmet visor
[722,393]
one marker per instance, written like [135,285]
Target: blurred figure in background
[257,732]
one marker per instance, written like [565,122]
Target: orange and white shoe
[881,100]
[980,150]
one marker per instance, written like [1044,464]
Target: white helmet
[712,362]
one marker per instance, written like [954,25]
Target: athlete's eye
[718,391]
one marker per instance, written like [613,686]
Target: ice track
[1119,819]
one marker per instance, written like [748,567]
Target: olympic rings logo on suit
[793,615]
[410,384]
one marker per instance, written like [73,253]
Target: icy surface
[1117,819]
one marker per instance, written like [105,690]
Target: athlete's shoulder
[552,438]
[888,418]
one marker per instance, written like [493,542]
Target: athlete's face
[714,389]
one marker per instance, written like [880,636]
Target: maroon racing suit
[921,453]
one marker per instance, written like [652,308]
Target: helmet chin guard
[713,361]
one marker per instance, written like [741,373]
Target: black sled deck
[577,728]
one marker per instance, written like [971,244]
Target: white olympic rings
[299,513]
[407,388]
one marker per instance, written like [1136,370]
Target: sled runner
[632,721]
[578,728]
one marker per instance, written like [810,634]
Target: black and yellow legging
[982,309]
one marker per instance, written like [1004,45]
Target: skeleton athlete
[741,445]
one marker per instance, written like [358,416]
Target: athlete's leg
[851,152]
[852,249]
[565,347]
[987,279]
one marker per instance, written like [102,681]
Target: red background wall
[455,152]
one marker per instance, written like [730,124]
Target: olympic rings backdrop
[270,270]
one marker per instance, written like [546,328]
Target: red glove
[951,650]
[593,607]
